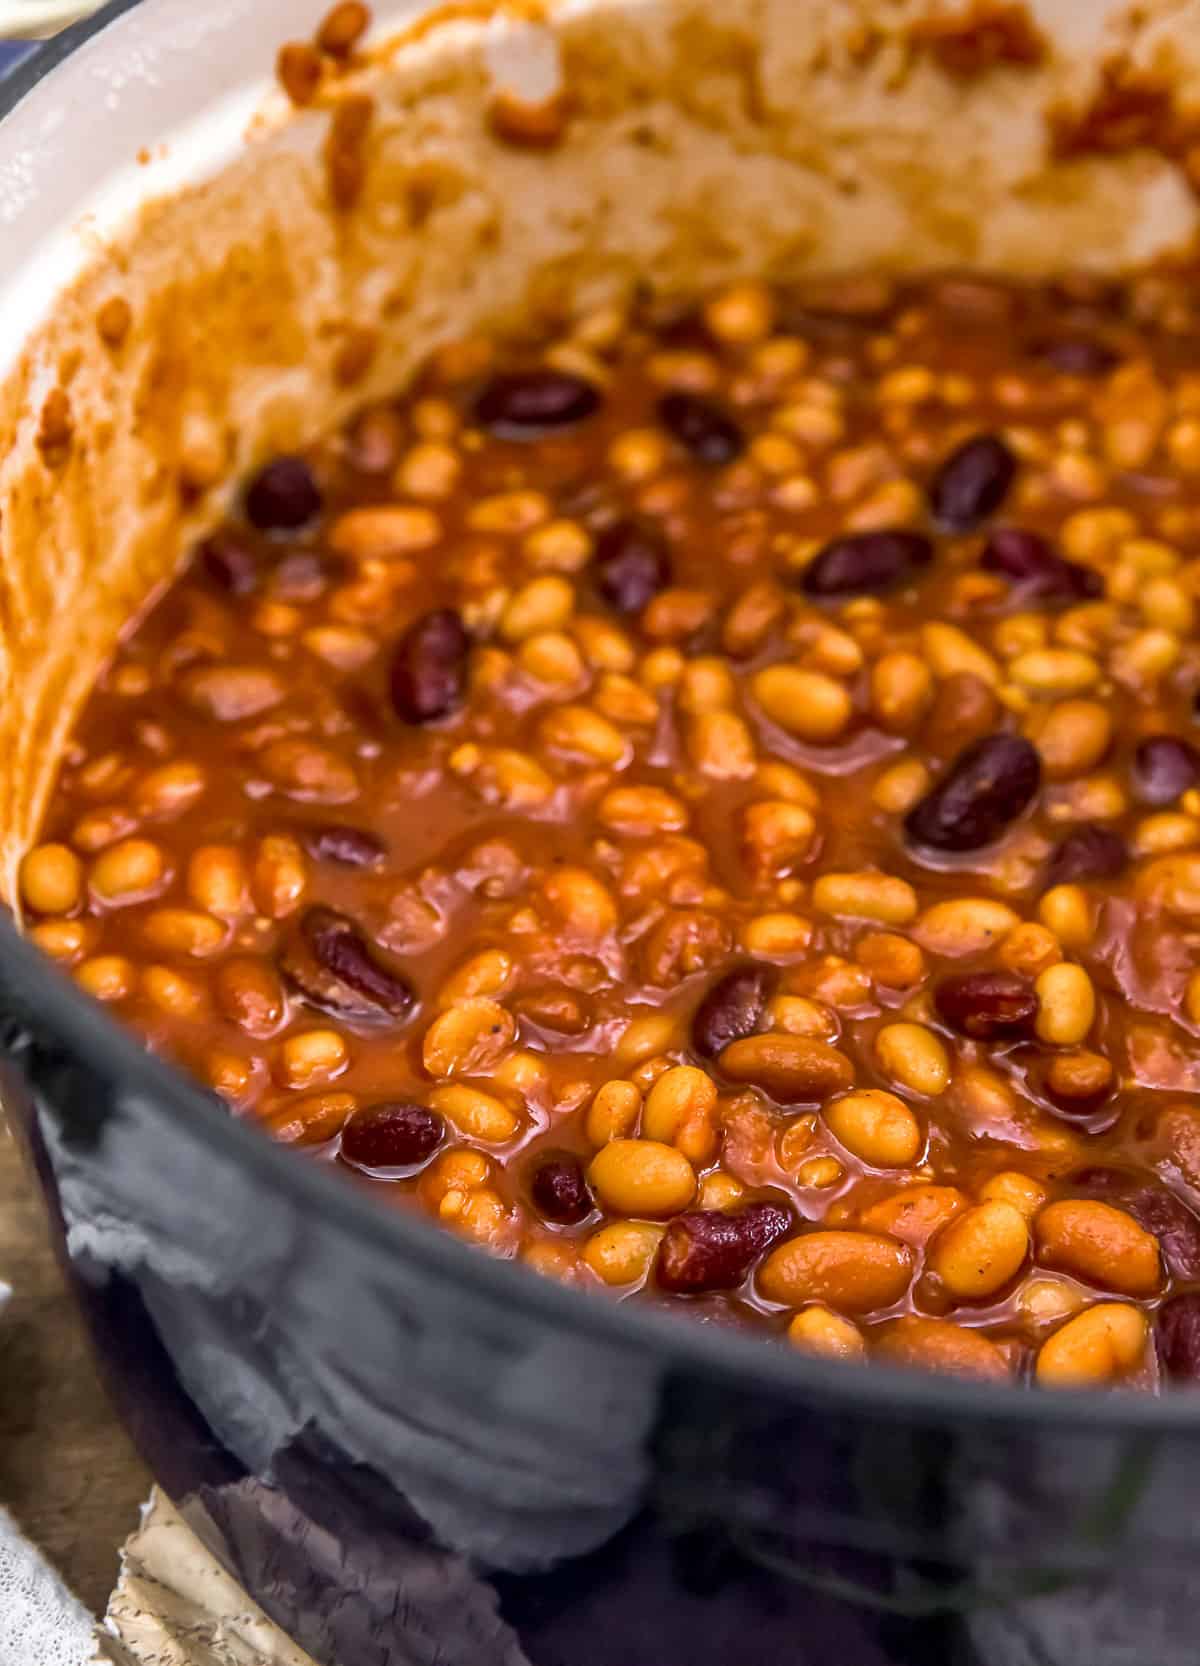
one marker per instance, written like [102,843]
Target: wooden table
[68,1472]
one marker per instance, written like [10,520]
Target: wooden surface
[68,1473]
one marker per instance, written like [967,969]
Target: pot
[405,1451]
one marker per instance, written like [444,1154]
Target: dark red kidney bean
[631,564]
[340,949]
[866,562]
[229,562]
[982,793]
[348,847]
[397,1135]
[1090,852]
[1177,1337]
[283,496]
[558,1189]
[1174,1225]
[703,428]
[1036,567]
[319,988]
[732,1009]
[429,667]
[972,483]
[1164,767]
[1078,355]
[708,1249]
[987,1006]
[524,404]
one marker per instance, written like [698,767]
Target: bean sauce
[718,824]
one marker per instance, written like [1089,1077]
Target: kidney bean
[1164,767]
[1037,568]
[1077,355]
[1177,1229]
[1177,1336]
[732,1009]
[631,564]
[318,988]
[398,1134]
[283,496]
[229,562]
[984,791]
[702,428]
[348,847]
[429,667]
[972,483]
[524,404]
[559,1190]
[987,1006]
[708,1249]
[1099,1179]
[1090,852]
[792,1069]
[866,562]
[335,969]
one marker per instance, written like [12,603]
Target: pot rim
[43,57]
[734,1358]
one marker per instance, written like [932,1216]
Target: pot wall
[403,1466]
[408,1454]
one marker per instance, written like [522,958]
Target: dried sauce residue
[967,44]
[299,70]
[301,66]
[345,150]
[343,28]
[528,126]
[113,320]
[55,427]
[1131,109]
